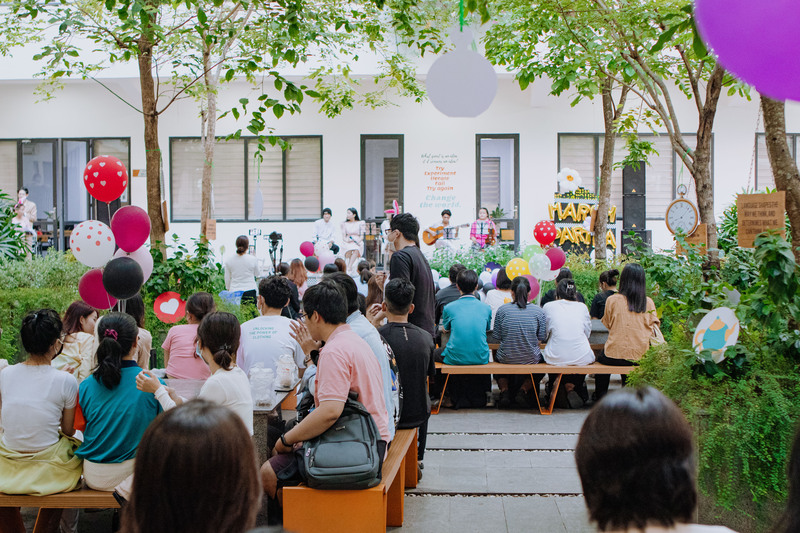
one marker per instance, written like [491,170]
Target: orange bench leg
[411,464]
[553,393]
[11,520]
[335,511]
[394,498]
[47,521]
[438,407]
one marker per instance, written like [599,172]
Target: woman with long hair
[362,277]
[568,328]
[80,344]
[519,327]
[217,342]
[134,306]
[630,317]
[501,294]
[38,412]
[241,271]
[637,465]
[352,238]
[608,287]
[116,413]
[196,472]
[180,358]
[299,276]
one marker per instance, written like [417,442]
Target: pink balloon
[307,249]
[131,227]
[757,41]
[557,258]
[326,259]
[534,287]
[91,289]
[141,256]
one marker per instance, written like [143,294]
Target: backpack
[397,388]
[345,456]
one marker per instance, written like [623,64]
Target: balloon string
[461,14]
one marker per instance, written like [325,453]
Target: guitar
[491,238]
[434,233]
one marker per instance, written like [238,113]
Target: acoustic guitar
[434,233]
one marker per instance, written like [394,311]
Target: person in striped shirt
[518,328]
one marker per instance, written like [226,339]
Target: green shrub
[183,271]
[16,303]
[56,269]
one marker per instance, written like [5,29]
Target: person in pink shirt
[345,363]
[180,353]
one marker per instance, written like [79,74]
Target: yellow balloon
[517,267]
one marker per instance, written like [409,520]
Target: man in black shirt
[409,263]
[413,350]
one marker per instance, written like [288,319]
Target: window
[764,178]
[8,168]
[498,174]
[381,174]
[284,185]
[583,152]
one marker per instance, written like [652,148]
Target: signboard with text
[759,213]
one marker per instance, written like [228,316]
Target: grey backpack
[346,456]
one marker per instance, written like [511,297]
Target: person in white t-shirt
[267,337]
[241,271]
[38,403]
[217,342]
[324,232]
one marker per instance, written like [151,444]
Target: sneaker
[504,400]
[419,472]
[574,400]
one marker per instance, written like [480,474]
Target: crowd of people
[84,403]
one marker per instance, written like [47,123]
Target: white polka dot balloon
[92,243]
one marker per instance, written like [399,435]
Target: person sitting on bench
[413,350]
[344,364]
[519,327]
[467,320]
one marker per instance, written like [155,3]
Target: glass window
[75,154]
[764,177]
[382,174]
[497,174]
[8,168]
[578,153]
[38,174]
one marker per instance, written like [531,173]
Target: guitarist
[442,236]
[483,232]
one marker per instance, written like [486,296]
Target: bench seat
[541,368]
[307,510]
[50,508]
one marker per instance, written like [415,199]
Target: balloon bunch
[115,275]
[316,259]
[546,259]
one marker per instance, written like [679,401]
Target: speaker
[633,211]
[627,243]
[633,180]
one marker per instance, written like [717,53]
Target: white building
[508,156]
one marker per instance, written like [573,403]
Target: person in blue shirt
[466,320]
[116,412]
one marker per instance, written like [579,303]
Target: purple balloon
[92,291]
[131,227]
[756,41]
[495,272]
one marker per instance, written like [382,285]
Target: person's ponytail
[220,333]
[566,290]
[520,288]
[117,333]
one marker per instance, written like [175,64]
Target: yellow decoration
[612,213]
[570,212]
[579,235]
[517,267]
[583,211]
[610,239]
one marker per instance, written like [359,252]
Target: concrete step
[501,441]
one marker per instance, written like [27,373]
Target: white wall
[433,144]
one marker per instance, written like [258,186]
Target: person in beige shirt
[637,465]
[28,207]
[630,317]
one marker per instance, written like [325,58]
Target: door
[497,184]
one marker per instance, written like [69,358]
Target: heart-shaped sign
[169,307]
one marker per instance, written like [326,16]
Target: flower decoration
[569,179]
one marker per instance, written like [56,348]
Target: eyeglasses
[301,315]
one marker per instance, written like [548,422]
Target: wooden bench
[307,510]
[542,368]
[50,508]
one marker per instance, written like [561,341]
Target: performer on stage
[352,239]
[323,232]
[483,232]
[450,233]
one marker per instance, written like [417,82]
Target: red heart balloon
[105,177]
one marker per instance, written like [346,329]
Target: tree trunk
[784,167]
[152,150]
[610,114]
[209,140]
[704,183]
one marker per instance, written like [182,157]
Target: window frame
[795,140]
[598,137]
[400,138]
[246,177]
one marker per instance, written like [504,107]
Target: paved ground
[485,470]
